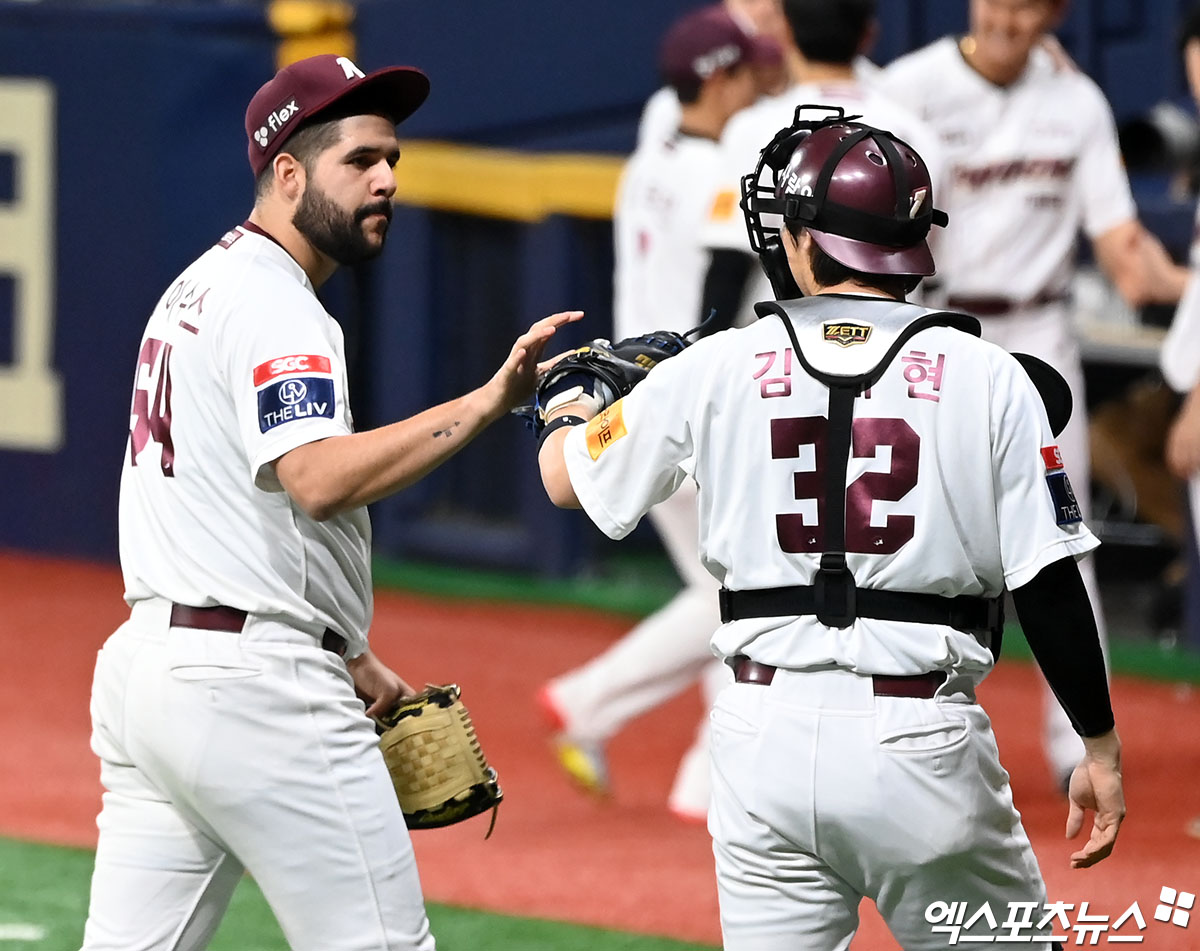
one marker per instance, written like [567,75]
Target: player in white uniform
[661,204]
[224,710]
[871,477]
[1180,357]
[762,18]
[1031,159]
[827,38]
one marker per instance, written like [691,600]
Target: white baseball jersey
[1027,166]
[1180,357]
[955,485]
[662,202]
[749,132]
[239,364]
[660,114]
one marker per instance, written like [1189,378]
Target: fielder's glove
[437,766]
[599,373]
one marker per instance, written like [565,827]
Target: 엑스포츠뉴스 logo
[846,334]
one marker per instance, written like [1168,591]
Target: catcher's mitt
[599,373]
[437,766]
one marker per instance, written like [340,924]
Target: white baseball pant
[824,793]
[222,752]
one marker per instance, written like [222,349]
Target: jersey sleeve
[724,225]
[285,369]
[1038,518]
[1100,176]
[634,454]
[660,116]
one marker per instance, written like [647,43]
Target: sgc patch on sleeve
[294,398]
[1066,507]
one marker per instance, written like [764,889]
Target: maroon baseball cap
[310,86]
[705,40]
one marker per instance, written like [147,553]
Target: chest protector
[834,598]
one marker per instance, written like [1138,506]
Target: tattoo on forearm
[446,432]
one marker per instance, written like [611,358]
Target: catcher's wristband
[558,423]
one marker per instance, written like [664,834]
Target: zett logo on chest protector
[847,334]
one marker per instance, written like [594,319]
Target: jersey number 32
[867,438]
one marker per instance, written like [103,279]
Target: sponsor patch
[1052,458]
[723,206]
[296,397]
[229,238]
[1066,507]
[605,429]
[274,123]
[847,334]
[296,363]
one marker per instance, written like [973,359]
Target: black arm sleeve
[1056,617]
[724,284]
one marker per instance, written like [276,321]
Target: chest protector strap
[834,597]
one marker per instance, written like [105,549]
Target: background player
[224,711]
[762,18]
[850,758]
[827,40]
[661,205]
[1032,159]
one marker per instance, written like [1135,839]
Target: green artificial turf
[45,888]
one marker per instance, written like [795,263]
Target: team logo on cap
[351,71]
[274,123]
[846,334]
[720,58]
[917,202]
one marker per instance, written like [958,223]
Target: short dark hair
[1189,26]
[688,90]
[305,144]
[827,272]
[829,31]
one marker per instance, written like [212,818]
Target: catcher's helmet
[864,195]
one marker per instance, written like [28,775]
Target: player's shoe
[584,761]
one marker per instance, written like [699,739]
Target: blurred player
[764,19]
[1031,159]
[708,62]
[1180,358]
[827,38]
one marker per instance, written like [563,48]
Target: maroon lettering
[868,436]
[787,436]
[769,387]
[152,417]
[1006,172]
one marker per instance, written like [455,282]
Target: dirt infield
[623,863]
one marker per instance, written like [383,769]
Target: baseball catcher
[598,374]
[435,760]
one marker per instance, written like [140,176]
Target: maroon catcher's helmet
[864,195]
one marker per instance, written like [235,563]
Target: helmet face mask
[863,195]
